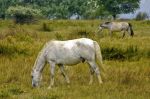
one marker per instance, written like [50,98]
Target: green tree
[94,10]
[115,7]
[23,14]
[88,9]
[4,5]
[141,16]
[50,8]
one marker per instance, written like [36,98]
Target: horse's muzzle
[33,85]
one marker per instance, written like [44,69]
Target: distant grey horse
[69,52]
[117,27]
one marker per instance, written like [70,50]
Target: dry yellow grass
[127,61]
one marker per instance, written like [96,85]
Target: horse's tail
[131,30]
[98,55]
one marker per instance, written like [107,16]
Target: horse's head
[35,78]
[104,25]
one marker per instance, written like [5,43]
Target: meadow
[126,61]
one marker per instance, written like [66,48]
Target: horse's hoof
[100,82]
[68,82]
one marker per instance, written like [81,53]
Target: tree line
[64,9]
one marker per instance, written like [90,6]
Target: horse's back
[117,26]
[70,43]
[71,51]
[86,41]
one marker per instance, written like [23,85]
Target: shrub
[142,16]
[23,14]
[46,27]
[112,53]
[10,49]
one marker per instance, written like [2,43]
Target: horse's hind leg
[123,34]
[96,70]
[91,75]
[63,73]
[52,71]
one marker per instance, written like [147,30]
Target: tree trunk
[114,16]
[3,16]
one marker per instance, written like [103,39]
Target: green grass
[126,61]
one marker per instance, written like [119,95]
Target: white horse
[117,27]
[69,52]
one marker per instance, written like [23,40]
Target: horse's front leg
[63,73]
[52,72]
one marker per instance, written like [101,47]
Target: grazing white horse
[69,52]
[117,27]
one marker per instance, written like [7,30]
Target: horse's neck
[39,63]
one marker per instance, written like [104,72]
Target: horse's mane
[107,22]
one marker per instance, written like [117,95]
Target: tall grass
[126,61]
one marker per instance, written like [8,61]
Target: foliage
[142,16]
[64,9]
[131,53]
[5,4]
[115,7]
[46,27]
[23,14]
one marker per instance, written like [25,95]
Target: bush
[142,16]
[113,53]
[8,49]
[130,53]
[23,14]
[46,27]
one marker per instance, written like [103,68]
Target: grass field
[126,61]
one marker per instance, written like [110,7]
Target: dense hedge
[23,14]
